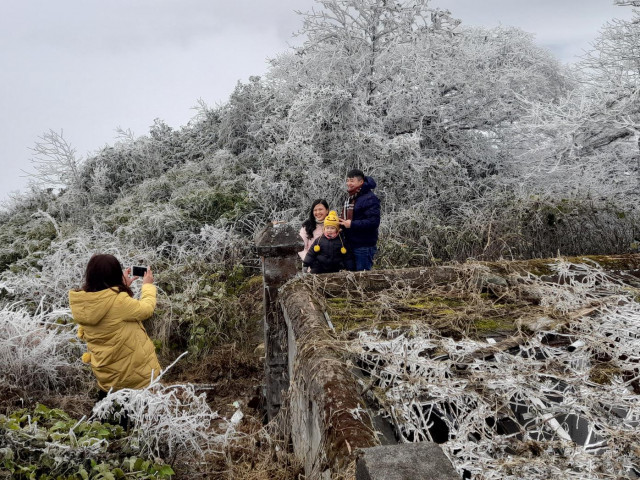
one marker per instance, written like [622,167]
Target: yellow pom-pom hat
[332,220]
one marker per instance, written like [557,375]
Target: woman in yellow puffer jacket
[119,350]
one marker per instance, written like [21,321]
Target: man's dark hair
[355,173]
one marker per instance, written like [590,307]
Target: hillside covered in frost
[483,146]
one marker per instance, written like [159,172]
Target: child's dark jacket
[329,259]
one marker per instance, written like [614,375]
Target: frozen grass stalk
[166,421]
[36,354]
[554,420]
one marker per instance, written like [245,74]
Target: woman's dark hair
[309,224]
[104,271]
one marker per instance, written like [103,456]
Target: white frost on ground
[168,420]
[532,412]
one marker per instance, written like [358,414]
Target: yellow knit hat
[332,220]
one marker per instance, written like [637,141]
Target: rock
[407,461]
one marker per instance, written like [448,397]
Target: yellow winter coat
[121,353]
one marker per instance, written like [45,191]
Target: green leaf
[106,476]
[119,473]
[60,414]
[60,425]
[42,409]
[141,465]
[166,470]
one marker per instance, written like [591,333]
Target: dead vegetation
[518,375]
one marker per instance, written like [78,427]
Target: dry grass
[566,351]
[258,452]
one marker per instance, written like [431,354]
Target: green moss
[348,321]
[338,302]
[539,267]
[431,302]
[493,324]
[254,281]
[610,262]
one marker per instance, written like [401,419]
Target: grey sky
[89,66]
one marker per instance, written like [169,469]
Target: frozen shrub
[38,355]
[218,246]
[167,421]
[61,267]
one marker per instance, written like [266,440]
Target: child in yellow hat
[327,253]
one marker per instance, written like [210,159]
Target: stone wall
[306,372]
[327,416]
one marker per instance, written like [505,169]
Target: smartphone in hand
[138,271]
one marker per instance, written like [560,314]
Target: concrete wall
[325,413]
[327,416]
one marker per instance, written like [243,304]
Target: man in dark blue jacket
[361,219]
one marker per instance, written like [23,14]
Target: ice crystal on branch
[559,405]
[166,421]
[37,354]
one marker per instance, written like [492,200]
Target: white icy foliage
[62,267]
[579,286]
[588,141]
[37,354]
[216,245]
[557,423]
[166,421]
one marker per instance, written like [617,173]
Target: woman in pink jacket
[312,226]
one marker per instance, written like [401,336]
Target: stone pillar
[278,245]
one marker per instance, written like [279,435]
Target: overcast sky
[86,67]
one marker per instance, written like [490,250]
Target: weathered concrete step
[407,461]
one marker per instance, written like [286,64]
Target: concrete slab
[406,461]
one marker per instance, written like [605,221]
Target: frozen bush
[167,421]
[36,354]
[61,267]
[218,246]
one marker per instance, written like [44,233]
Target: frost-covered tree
[54,162]
[362,36]
[589,141]
[612,70]
[402,91]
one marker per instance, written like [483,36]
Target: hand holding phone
[148,276]
[139,271]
